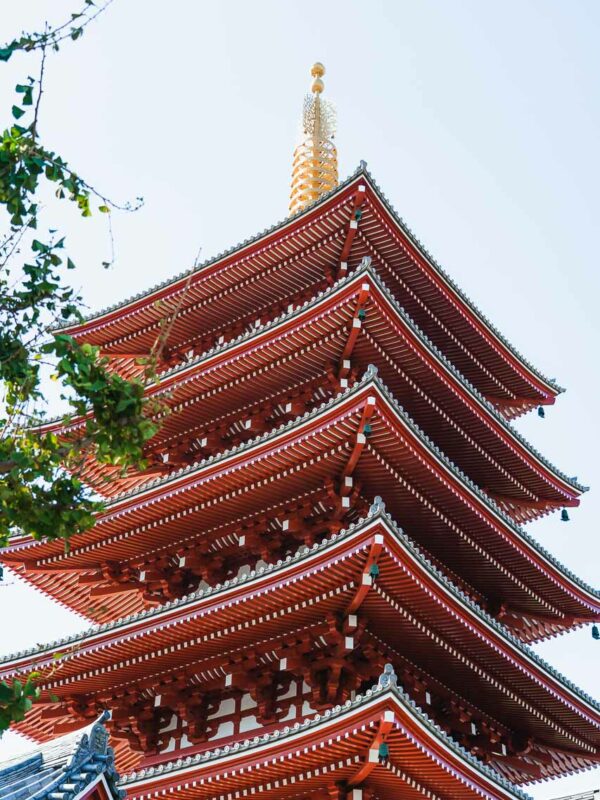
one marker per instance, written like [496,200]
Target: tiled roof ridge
[396,692]
[361,170]
[366,267]
[377,510]
[76,760]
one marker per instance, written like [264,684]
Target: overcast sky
[479,120]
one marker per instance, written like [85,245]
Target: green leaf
[104,209]
[6,693]
[17,112]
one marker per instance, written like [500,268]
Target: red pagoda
[320,587]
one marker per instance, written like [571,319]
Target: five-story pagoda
[320,587]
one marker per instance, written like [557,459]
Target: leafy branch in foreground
[18,696]
[41,493]
[52,37]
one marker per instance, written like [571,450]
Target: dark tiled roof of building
[63,768]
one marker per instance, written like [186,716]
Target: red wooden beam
[355,330]
[371,761]
[367,578]
[361,438]
[359,199]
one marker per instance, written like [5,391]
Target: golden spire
[315,168]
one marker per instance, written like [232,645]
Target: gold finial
[315,169]
[317,71]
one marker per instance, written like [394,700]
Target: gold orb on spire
[317,71]
[315,169]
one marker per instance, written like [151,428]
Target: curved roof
[370,375]
[184,371]
[163,488]
[126,626]
[288,736]
[477,320]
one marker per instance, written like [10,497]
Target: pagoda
[320,587]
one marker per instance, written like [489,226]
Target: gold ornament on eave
[315,167]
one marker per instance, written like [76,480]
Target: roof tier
[327,450]
[324,609]
[295,259]
[331,757]
[288,366]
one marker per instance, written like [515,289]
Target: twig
[40,92]
[162,338]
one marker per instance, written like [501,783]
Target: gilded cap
[315,168]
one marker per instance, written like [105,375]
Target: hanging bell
[367,430]
[358,214]
[541,412]
[564,515]
[384,751]
[595,632]
[374,570]
[362,314]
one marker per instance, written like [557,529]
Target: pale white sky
[479,120]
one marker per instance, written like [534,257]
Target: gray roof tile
[61,768]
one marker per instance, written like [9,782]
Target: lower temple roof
[417,754]
[63,769]
[191,625]
[78,644]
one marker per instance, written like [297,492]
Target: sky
[480,121]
